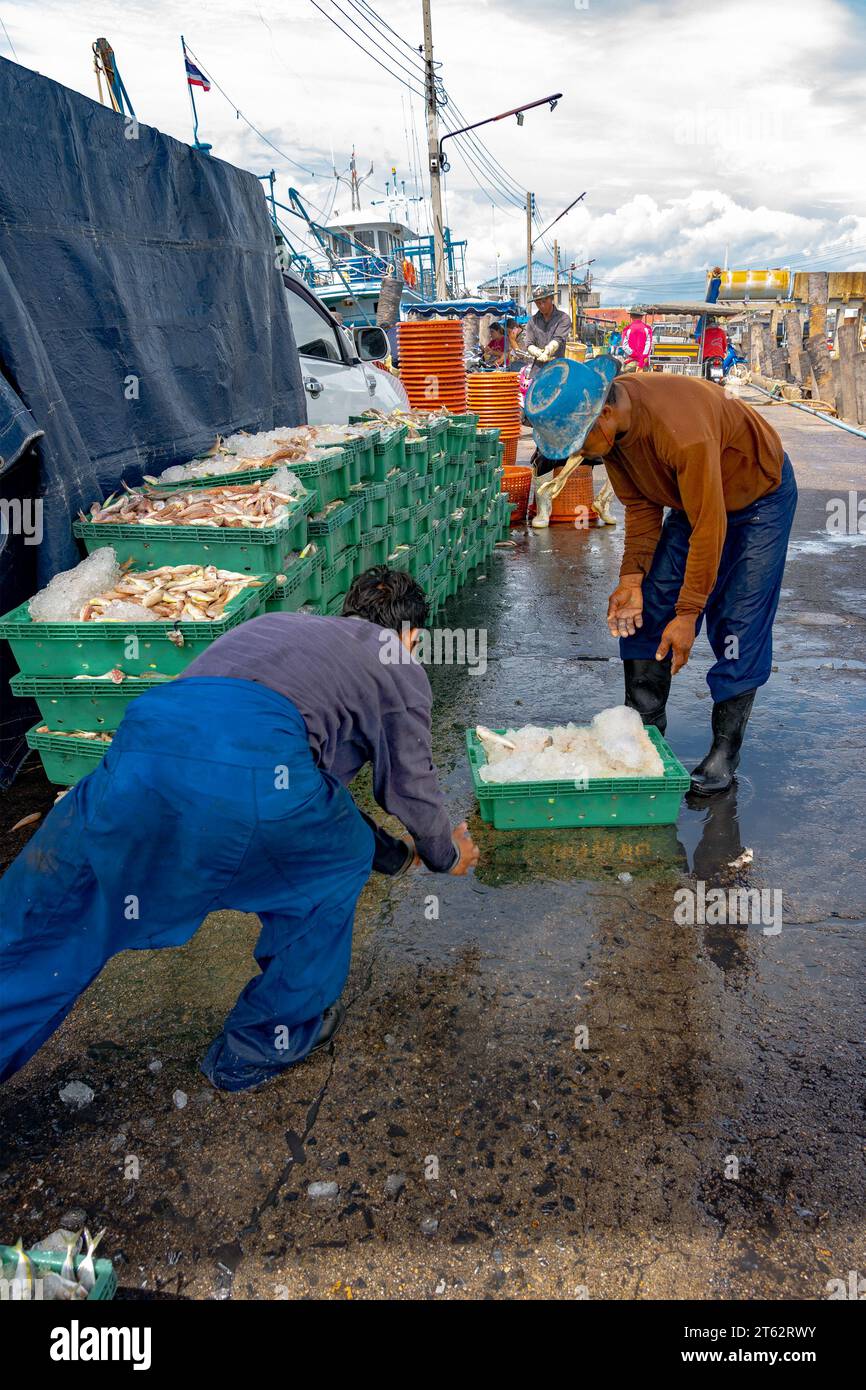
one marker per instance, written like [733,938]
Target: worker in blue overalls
[680,443]
[226,788]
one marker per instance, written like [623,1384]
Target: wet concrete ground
[708,1142]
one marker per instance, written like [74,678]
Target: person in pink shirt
[637,341]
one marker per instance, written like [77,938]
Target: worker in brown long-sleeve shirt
[684,444]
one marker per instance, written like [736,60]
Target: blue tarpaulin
[141,313]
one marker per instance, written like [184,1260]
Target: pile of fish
[616,744]
[186,593]
[253,506]
[99,589]
[95,737]
[30,1277]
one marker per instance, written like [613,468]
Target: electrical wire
[382,65]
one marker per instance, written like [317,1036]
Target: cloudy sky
[696,129]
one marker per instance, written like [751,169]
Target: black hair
[387,597]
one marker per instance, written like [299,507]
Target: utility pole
[433,152]
[528,253]
[556,273]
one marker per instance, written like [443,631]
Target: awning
[460,308]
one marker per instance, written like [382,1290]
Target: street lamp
[517,111]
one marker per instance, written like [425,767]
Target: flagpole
[197,144]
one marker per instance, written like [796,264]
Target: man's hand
[678,637]
[467,849]
[536,352]
[625,606]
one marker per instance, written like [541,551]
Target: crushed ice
[616,744]
[63,598]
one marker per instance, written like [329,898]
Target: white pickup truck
[336,362]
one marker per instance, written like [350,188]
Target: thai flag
[195,77]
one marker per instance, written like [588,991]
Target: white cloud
[692,127]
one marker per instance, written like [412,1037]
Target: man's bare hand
[678,638]
[467,848]
[625,607]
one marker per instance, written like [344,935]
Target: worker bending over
[680,443]
[226,788]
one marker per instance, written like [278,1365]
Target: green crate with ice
[611,772]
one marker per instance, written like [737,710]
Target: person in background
[494,353]
[547,332]
[637,341]
[227,788]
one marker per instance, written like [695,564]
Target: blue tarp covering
[141,312]
[447,308]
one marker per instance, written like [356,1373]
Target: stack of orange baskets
[495,397]
[432,365]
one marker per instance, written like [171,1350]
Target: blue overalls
[207,798]
[745,596]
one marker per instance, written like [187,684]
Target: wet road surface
[546,1086]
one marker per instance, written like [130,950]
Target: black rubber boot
[332,1021]
[715,772]
[647,686]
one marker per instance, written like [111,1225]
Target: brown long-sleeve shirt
[691,446]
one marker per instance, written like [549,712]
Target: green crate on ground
[390,451]
[438,472]
[51,1261]
[338,530]
[244,549]
[600,801]
[139,649]
[337,577]
[375,510]
[424,519]
[66,760]
[67,703]
[299,583]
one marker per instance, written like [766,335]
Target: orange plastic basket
[495,397]
[516,481]
[432,363]
[509,452]
[575,500]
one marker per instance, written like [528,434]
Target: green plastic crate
[400,484]
[337,531]
[487,444]
[603,800]
[404,527]
[375,547]
[418,456]
[337,578]
[45,1261]
[300,583]
[375,509]
[95,705]
[327,477]
[244,549]
[70,649]
[65,760]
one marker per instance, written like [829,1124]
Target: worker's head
[635,315]
[543,300]
[389,598]
[600,437]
